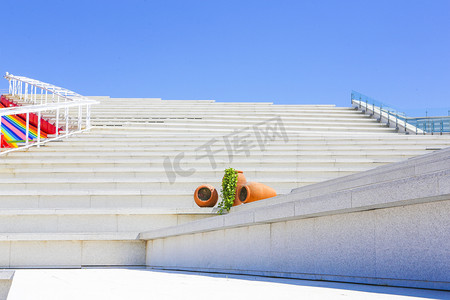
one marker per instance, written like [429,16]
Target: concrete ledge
[6,278]
[419,189]
[386,228]
[6,275]
[410,168]
[85,236]
[71,250]
[112,211]
[306,276]
[431,162]
[398,246]
[41,221]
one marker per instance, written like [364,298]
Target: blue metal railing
[422,125]
[431,124]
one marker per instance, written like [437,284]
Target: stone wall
[392,230]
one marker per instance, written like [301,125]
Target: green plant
[228,192]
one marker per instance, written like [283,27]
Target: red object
[46,126]
[6,102]
[4,143]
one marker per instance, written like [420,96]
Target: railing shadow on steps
[22,124]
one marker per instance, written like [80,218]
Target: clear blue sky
[280,51]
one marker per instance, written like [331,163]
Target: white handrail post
[396,121]
[39,129]
[88,116]
[80,111]
[67,121]
[10,87]
[381,114]
[57,119]
[27,129]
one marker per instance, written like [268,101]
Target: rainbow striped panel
[14,130]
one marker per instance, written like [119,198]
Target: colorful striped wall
[14,126]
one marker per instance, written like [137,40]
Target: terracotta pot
[240,182]
[254,191]
[241,178]
[206,196]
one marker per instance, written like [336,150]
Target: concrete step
[252,117]
[169,104]
[149,172]
[286,154]
[247,120]
[193,143]
[182,105]
[129,175]
[191,159]
[59,199]
[216,109]
[134,131]
[138,184]
[148,147]
[331,136]
[196,140]
[220,119]
[96,220]
[166,128]
[197,125]
[201,164]
[240,110]
[70,250]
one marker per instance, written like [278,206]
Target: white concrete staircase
[83,201]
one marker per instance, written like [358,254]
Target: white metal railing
[39,97]
[28,89]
